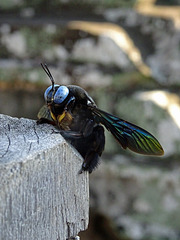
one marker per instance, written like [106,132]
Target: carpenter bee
[80,121]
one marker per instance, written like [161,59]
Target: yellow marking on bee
[65,120]
[61,117]
[53,116]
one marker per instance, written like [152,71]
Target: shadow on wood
[42,196]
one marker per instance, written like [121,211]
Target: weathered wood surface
[42,196]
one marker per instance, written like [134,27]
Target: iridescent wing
[44,116]
[129,135]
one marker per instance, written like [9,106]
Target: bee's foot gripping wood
[42,196]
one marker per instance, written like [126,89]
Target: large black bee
[75,113]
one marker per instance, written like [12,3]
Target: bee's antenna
[46,69]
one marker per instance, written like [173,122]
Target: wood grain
[42,196]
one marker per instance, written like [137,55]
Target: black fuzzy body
[78,127]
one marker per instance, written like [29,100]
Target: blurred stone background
[126,54]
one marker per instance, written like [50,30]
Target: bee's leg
[94,148]
[45,120]
[70,135]
[90,147]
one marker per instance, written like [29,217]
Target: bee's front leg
[45,120]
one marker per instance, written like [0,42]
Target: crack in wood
[34,127]
[30,145]
[9,143]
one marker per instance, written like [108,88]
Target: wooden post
[42,196]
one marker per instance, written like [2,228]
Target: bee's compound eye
[48,94]
[61,94]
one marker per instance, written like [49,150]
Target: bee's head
[55,94]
